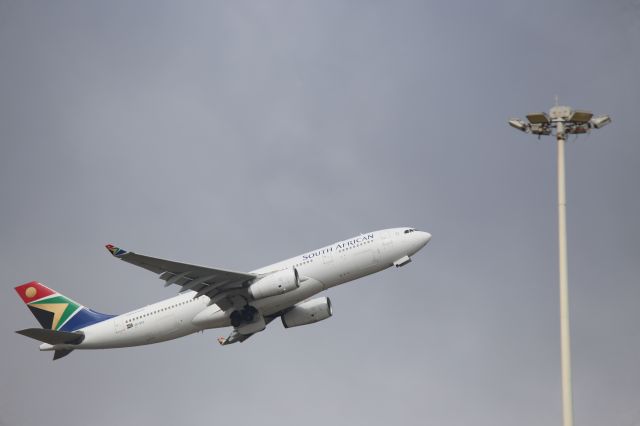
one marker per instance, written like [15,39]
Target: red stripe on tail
[30,292]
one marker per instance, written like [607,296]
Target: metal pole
[566,121]
[565,339]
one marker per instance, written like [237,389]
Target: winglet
[116,251]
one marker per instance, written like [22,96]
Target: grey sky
[235,134]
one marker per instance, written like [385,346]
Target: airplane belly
[169,326]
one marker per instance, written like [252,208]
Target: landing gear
[245,315]
[248,313]
[236,318]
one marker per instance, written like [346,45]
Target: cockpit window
[407,231]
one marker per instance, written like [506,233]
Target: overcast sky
[236,134]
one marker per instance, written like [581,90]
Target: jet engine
[274,284]
[308,312]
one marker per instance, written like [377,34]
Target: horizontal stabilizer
[52,337]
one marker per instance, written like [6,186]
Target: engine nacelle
[308,312]
[274,284]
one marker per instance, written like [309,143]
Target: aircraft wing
[214,283]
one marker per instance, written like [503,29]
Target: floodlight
[580,116]
[518,124]
[540,129]
[538,118]
[582,128]
[600,121]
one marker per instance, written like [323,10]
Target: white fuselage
[319,270]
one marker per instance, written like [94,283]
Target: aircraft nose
[424,238]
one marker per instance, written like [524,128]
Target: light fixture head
[540,129]
[580,116]
[516,123]
[600,121]
[538,118]
[581,128]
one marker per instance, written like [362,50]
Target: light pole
[561,121]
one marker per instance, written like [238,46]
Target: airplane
[214,298]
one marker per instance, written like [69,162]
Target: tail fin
[55,311]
